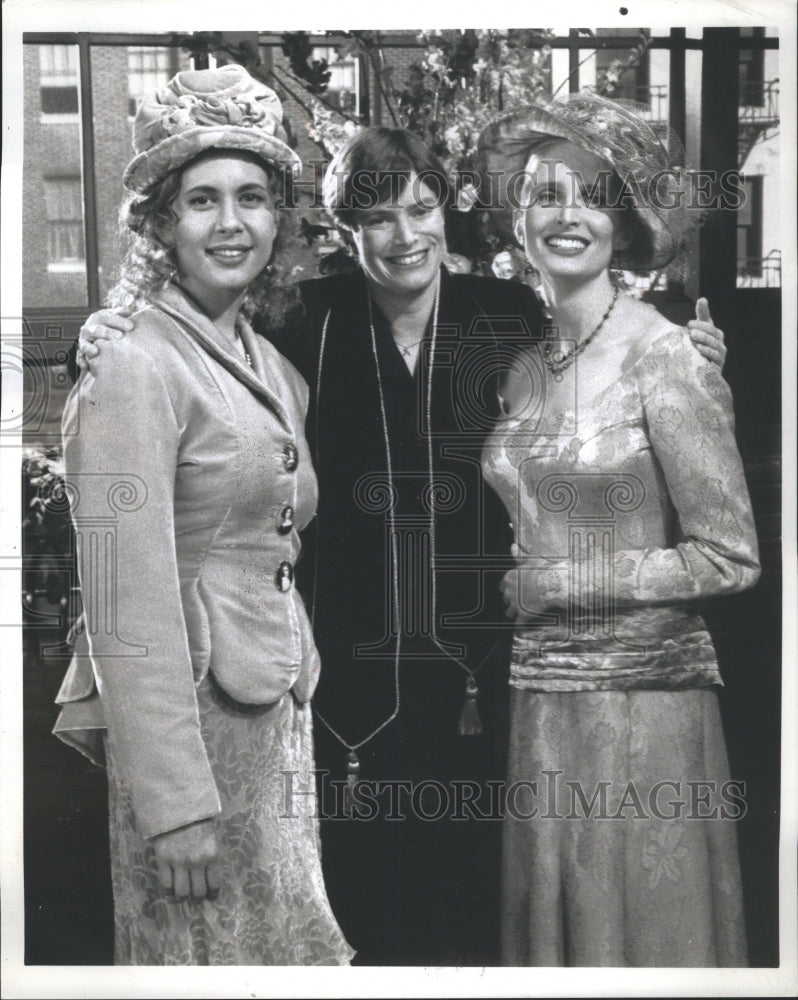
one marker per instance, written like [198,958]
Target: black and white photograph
[398,520]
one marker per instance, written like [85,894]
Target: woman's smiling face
[225,226]
[566,229]
[401,243]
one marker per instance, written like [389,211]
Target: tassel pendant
[470,723]
[352,774]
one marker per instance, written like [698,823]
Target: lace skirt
[620,846]
[272,908]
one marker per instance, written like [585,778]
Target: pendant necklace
[410,353]
[470,723]
[558,361]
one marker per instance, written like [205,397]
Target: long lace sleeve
[690,423]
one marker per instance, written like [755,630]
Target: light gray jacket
[188,476]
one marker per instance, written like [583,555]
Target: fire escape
[759,115]
[758,120]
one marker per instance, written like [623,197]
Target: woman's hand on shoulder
[106,324]
[188,860]
[706,336]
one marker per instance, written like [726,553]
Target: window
[758,265]
[58,83]
[752,70]
[343,90]
[64,208]
[749,230]
[148,68]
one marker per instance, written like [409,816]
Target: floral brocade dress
[620,842]
[272,907]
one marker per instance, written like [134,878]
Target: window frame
[67,79]
[65,265]
[173,61]
[327,52]
[751,265]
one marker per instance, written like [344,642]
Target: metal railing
[653,100]
[759,101]
[760,272]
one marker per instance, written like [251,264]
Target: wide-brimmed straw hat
[222,108]
[612,130]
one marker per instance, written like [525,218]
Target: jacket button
[290,458]
[285,519]
[284,577]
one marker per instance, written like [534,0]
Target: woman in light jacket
[189,477]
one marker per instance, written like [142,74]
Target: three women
[403,361]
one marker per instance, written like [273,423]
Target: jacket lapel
[191,320]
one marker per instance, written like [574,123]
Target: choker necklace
[558,361]
[470,723]
[406,348]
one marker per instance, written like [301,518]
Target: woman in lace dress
[189,478]
[617,462]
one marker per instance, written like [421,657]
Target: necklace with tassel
[469,723]
[351,804]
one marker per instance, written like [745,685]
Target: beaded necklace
[558,361]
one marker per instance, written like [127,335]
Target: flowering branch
[619,67]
